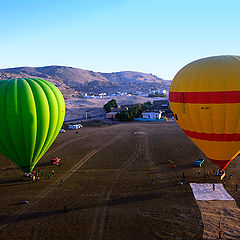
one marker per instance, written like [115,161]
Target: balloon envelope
[204,97]
[31,114]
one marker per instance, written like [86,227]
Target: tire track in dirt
[148,151]
[63,145]
[53,150]
[99,221]
[56,182]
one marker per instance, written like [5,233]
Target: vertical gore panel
[14,120]
[61,109]
[28,118]
[6,144]
[42,112]
[53,115]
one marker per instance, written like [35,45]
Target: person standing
[65,209]
[213,186]
[220,234]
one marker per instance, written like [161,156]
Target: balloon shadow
[112,202]
[10,181]
[42,164]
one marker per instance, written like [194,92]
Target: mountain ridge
[76,81]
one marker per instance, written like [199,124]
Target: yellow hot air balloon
[204,97]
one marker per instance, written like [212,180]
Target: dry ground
[117,184]
[77,107]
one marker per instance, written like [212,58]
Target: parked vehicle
[198,162]
[62,131]
[55,161]
[75,126]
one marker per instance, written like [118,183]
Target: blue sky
[152,36]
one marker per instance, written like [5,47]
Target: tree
[123,116]
[111,104]
[135,111]
[157,94]
[147,106]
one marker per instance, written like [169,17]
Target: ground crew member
[65,208]
[220,235]
[205,176]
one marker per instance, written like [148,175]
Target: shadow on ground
[65,209]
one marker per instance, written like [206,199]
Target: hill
[74,81]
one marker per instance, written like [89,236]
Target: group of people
[36,175]
[219,172]
[183,179]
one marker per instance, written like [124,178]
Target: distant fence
[84,118]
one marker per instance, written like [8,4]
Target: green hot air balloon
[31,115]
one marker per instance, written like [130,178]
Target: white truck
[75,126]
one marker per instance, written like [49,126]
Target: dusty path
[100,220]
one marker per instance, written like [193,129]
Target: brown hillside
[76,81]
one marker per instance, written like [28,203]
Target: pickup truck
[198,162]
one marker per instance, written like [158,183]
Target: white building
[111,115]
[152,115]
[162,91]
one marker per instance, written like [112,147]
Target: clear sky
[152,36]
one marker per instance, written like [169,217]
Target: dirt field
[116,183]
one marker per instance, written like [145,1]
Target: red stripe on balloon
[225,137]
[221,163]
[205,97]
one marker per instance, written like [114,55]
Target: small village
[159,110]
[150,93]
